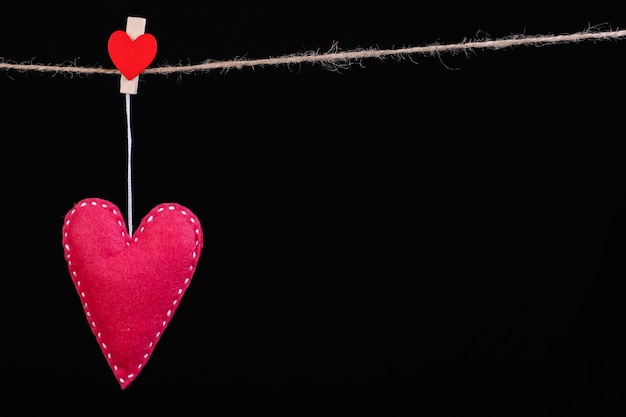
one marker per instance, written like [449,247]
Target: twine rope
[335,59]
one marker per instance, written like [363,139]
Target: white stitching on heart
[169,312]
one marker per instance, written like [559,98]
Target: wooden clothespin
[131,52]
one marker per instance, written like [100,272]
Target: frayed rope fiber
[335,59]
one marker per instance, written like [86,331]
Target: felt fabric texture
[130,56]
[130,286]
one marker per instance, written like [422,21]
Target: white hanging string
[129,197]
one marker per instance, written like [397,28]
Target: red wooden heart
[130,286]
[129,56]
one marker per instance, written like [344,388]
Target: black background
[435,233]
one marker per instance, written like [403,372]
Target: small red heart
[131,57]
[130,286]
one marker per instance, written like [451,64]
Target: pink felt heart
[130,286]
[130,56]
